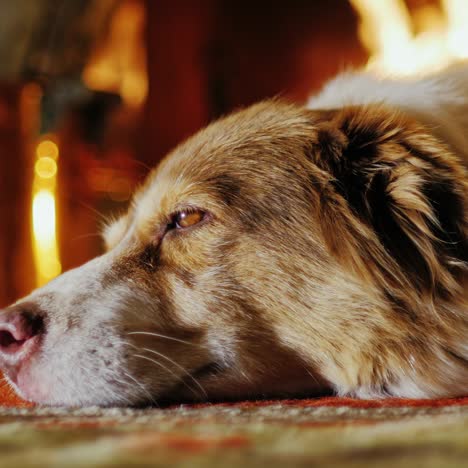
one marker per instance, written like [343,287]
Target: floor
[336,432]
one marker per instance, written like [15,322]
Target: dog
[282,251]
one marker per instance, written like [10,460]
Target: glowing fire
[119,63]
[44,212]
[387,31]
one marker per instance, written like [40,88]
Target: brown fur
[345,230]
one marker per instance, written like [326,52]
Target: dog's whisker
[133,379]
[142,387]
[101,217]
[169,370]
[124,384]
[185,371]
[312,376]
[143,165]
[160,364]
[86,236]
[166,337]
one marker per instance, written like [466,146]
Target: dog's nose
[19,324]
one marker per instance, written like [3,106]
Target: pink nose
[19,324]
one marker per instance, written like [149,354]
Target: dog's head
[280,251]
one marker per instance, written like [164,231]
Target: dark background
[116,84]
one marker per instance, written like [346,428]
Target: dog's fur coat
[330,253]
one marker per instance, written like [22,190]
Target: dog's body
[280,251]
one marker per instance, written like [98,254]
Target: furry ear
[401,193]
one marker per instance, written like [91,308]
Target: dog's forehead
[216,162]
[231,140]
[229,145]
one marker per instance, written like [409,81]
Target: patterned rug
[335,432]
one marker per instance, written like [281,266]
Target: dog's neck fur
[440,100]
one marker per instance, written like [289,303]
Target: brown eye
[188,218]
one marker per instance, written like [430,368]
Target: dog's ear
[397,191]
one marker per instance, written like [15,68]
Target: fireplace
[94,93]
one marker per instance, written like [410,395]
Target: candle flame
[44,218]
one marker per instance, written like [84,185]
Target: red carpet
[343,401]
[9,399]
[329,431]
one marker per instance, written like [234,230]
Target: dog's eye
[187,218]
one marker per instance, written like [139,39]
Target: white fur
[439,100]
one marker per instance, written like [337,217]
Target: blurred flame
[45,168]
[457,14]
[44,212]
[119,64]
[387,30]
[47,149]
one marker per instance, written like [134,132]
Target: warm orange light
[387,31]
[47,149]
[44,225]
[119,63]
[44,220]
[457,14]
[45,168]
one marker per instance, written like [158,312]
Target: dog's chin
[209,382]
[44,390]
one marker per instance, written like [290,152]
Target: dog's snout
[19,324]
